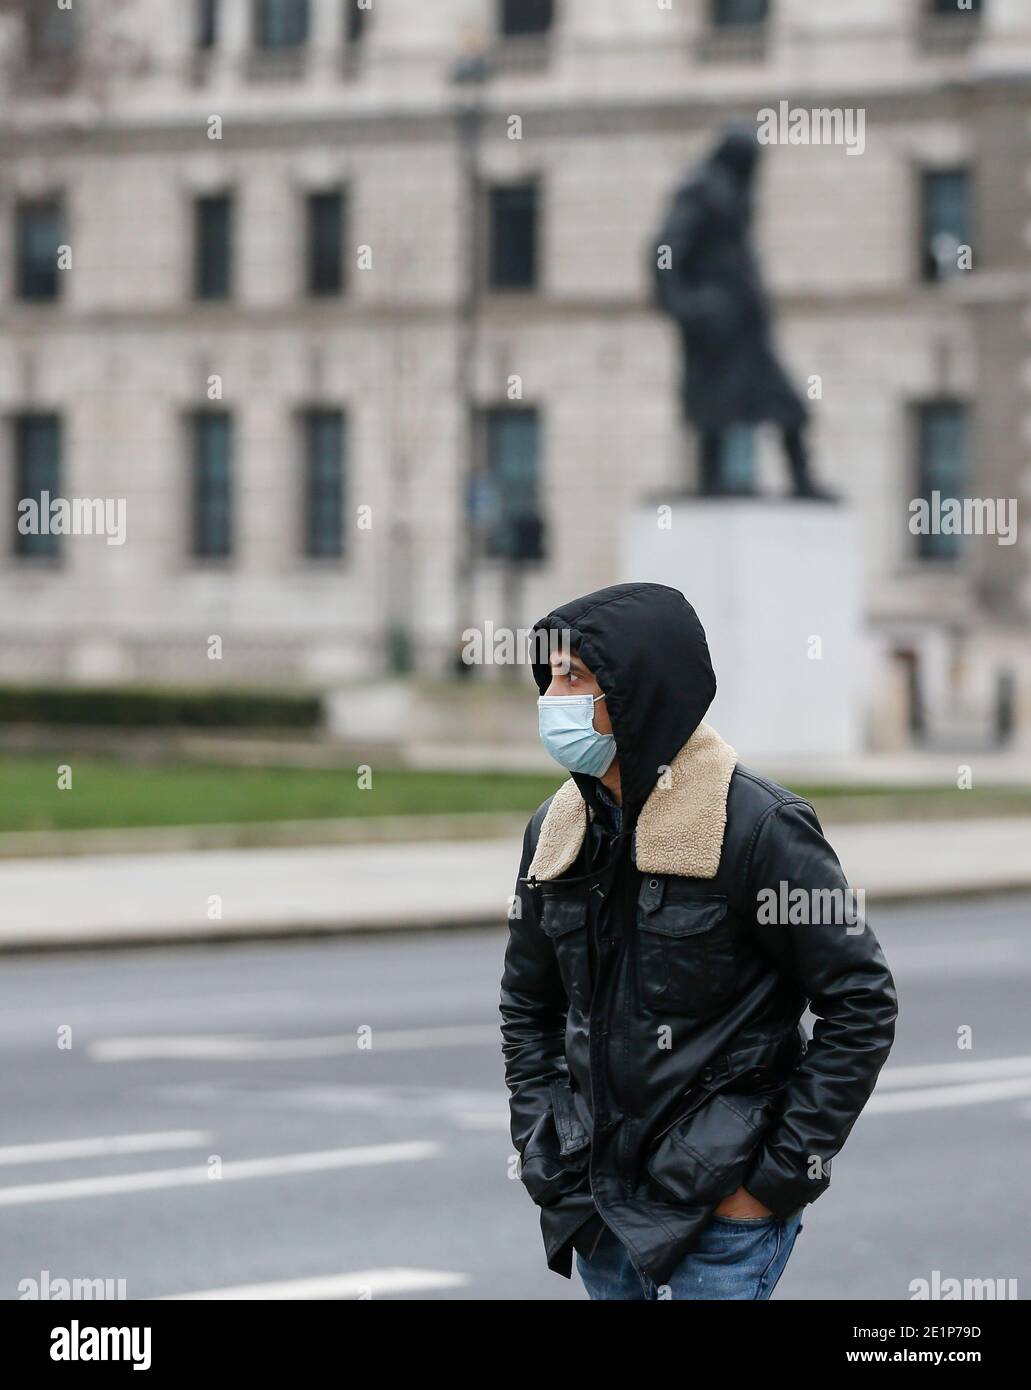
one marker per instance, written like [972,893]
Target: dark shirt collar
[611,807]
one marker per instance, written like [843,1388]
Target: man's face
[570,676]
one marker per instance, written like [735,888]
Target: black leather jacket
[651,1025]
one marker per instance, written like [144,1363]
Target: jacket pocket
[556,1157]
[686,950]
[565,922]
[573,1135]
[704,1157]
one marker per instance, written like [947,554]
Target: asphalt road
[197,1119]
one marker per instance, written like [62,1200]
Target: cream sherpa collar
[680,828]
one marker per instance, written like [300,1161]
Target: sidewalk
[153,898]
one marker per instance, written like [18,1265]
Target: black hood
[648,651]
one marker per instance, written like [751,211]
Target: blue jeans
[736,1257]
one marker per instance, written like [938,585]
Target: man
[671,1115]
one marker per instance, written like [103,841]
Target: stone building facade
[331,277]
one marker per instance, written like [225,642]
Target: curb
[223,934]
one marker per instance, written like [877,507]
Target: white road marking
[365,1283]
[146,1008]
[940,1097]
[930,1073]
[215,1047]
[104,1144]
[198,1173]
[240,1048]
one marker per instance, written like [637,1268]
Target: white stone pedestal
[775,583]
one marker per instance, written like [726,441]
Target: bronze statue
[710,284]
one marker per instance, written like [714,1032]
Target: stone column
[326,40]
[234,41]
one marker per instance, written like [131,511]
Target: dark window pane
[281,23]
[324,482]
[37,477]
[355,21]
[514,525]
[526,16]
[212,484]
[214,233]
[39,233]
[513,237]
[725,12]
[325,243]
[207,23]
[947,7]
[943,469]
[51,32]
[946,222]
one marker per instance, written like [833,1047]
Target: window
[949,26]
[942,463]
[213,240]
[946,222]
[513,237]
[38,235]
[355,21]
[514,530]
[50,32]
[281,23]
[207,23]
[526,16]
[212,484]
[325,271]
[907,664]
[37,479]
[730,12]
[323,483]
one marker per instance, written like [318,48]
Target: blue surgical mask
[568,733]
